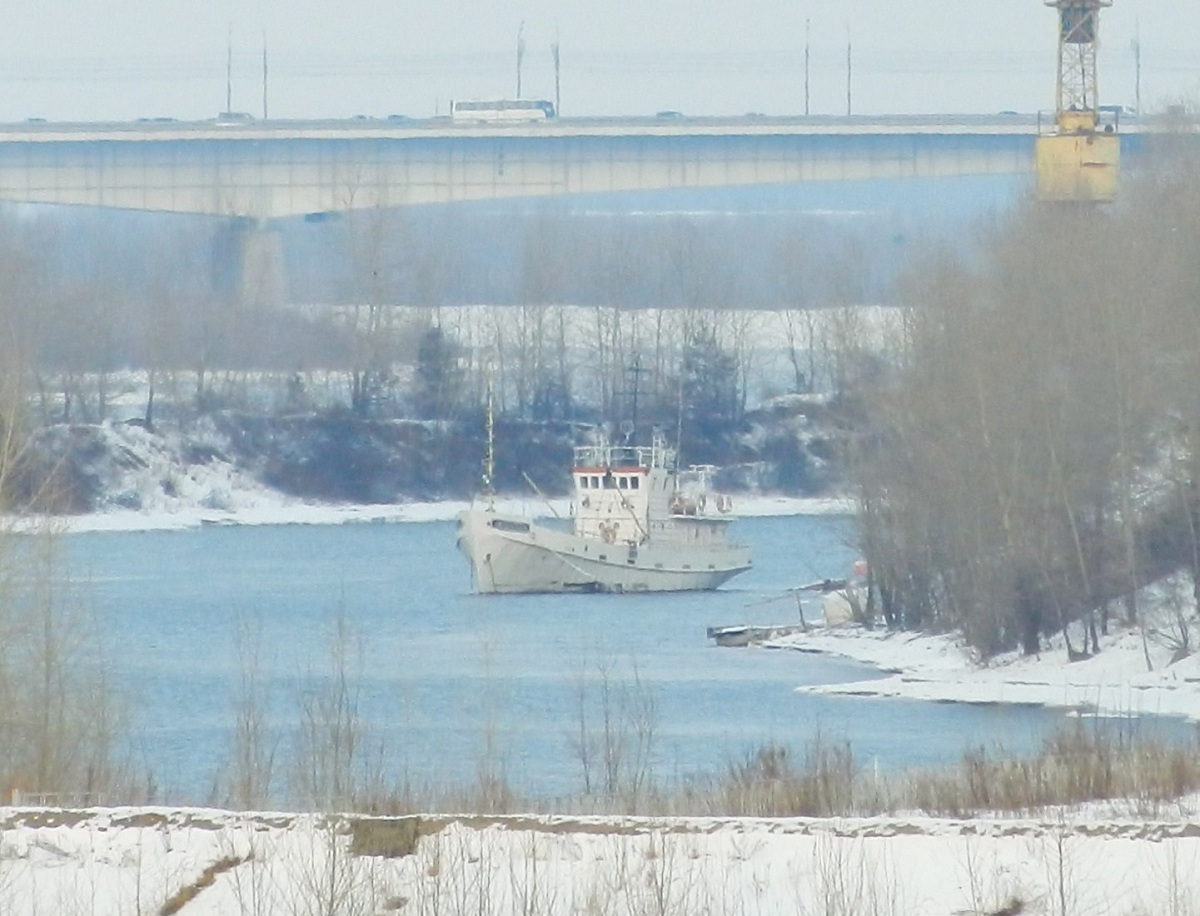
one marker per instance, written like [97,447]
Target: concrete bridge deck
[270,169]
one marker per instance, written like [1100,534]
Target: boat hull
[510,555]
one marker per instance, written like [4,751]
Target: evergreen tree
[709,403]
[438,384]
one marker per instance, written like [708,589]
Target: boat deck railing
[624,456]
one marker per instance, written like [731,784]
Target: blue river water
[447,682]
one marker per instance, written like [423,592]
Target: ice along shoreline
[1115,682]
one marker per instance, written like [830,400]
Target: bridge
[252,173]
[265,170]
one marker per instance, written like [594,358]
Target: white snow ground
[1132,675]
[216,863]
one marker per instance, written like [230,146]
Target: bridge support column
[248,265]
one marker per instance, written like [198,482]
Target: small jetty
[746,635]
[835,610]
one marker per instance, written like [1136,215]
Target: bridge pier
[248,264]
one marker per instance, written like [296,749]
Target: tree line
[91,310]
[1031,459]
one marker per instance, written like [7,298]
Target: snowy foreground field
[207,863]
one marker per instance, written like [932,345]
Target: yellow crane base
[1078,167]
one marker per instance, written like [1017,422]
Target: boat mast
[489,460]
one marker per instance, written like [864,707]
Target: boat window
[633,483]
[623,482]
[596,482]
[610,482]
[501,524]
[583,481]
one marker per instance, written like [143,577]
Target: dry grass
[189,892]
[1078,763]
[768,783]
[1075,764]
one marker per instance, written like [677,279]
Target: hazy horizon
[132,58]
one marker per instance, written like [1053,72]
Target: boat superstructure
[638,524]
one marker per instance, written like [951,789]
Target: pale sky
[123,59]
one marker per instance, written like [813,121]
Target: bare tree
[370,319]
[250,781]
[60,724]
[334,765]
[1007,462]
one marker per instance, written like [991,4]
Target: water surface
[449,683]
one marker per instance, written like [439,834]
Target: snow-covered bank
[1116,681]
[123,476]
[244,504]
[205,862]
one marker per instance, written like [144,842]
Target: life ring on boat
[701,501]
[724,503]
[608,533]
[586,502]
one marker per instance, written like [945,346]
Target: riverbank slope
[1147,668]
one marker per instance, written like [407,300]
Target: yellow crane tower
[1078,159]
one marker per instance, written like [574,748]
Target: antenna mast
[489,459]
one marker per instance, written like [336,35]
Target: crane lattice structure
[1078,160]
[1079,40]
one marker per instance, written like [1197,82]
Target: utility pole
[1137,66]
[520,54]
[264,76]
[849,74]
[807,60]
[557,85]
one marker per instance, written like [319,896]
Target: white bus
[501,110]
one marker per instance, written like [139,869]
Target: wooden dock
[748,635]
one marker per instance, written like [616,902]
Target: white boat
[638,524]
